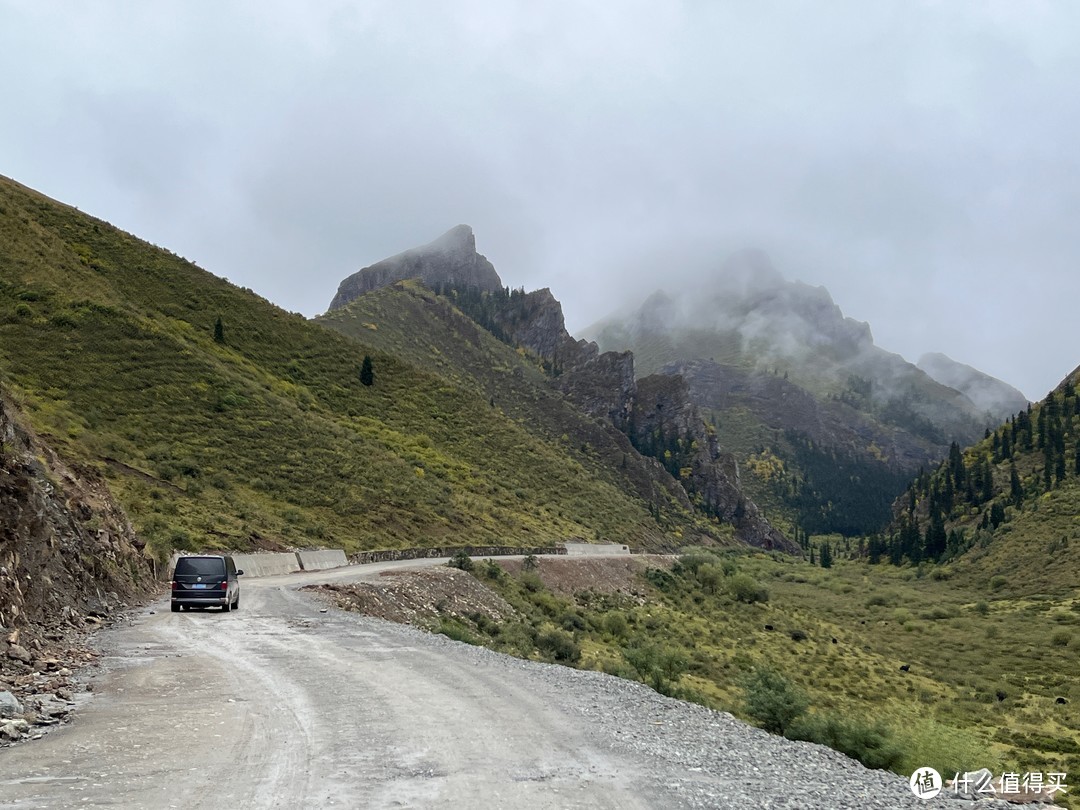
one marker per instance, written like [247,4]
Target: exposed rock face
[989,394]
[450,259]
[536,322]
[664,419]
[66,549]
[602,385]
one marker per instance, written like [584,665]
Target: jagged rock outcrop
[665,423]
[602,385]
[535,321]
[450,259]
[990,394]
[67,549]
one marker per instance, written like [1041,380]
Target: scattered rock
[9,705]
[13,729]
[17,653]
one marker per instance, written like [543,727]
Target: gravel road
[282,705]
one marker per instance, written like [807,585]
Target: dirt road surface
[281,705]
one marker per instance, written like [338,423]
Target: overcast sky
[920,160]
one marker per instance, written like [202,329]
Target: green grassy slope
[267,437]
[953,679]
[409,321]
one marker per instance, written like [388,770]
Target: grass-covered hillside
[410,321]
[222,420]
[1005,512]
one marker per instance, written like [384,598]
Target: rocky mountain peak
[450,259]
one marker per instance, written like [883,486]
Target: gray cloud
[918,159]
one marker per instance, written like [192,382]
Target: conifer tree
[987,481]
[935,538]
[219,331]
[1015,488]
[826,556]
[367,372]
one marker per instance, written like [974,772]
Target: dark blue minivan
[208,580]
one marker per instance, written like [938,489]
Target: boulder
[9,705]
[18,653]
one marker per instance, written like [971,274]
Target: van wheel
[174,608]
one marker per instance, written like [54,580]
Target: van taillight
[175,585]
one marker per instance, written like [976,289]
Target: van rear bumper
[203,601]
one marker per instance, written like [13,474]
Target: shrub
[655,665]
[461,560]
[572,621]
[693,561]
[710,576]
[531,582]
[747,589]
[871,744]
[560,646]
[529,563]
[664,580]
[1061,638]
[491,570]
[519,638]
[883,599]
[451,628]
[615,623]
[771,700]
[982,608]
[798,635]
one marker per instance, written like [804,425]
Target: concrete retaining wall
[266,565]
[321,560]
[391,554]
[596,549]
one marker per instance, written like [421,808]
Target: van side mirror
[239,572]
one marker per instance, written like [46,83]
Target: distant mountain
[651,417]
[827,423]
[1002,512]
[1000,400]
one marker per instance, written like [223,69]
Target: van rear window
[200,566]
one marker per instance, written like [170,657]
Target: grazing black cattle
[905,667]
[1060,701]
